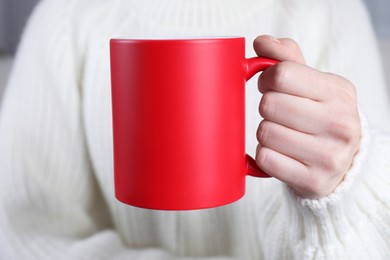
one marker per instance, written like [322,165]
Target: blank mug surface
[179,121]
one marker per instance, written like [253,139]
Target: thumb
[282,49]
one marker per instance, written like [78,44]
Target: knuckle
[339,128]
[353,133]
[331,162]
[263,132]
[262,157]
[280,75]
[315,186]
[267,105]
[312,186]
[294,48]
[334,161]
[291,43]
[346,129]
[346,89]
[348,94]
[276,77]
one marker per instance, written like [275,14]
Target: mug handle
[254,65]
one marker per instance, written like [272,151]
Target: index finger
[295,79]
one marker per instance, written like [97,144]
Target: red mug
[179,121]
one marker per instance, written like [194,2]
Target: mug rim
[177,38]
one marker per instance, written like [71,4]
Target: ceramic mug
[179,121]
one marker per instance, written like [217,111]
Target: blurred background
[14,14]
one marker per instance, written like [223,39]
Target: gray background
[14,14]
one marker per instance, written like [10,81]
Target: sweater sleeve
[51,206]
[354,221]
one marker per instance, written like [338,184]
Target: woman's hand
[311,127]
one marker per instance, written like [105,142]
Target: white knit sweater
[56,169]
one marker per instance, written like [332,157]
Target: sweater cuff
[345,189]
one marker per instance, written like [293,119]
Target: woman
[329,198]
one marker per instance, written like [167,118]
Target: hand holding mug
[311,127]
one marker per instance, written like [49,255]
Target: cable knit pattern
[56,188]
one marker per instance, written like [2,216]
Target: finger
[282,167]
[306,180]
[300,114]
[296,79]
[283,49]
[299,146]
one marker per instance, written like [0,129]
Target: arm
[346,218]
[51,206]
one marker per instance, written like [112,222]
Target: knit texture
[56,189]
